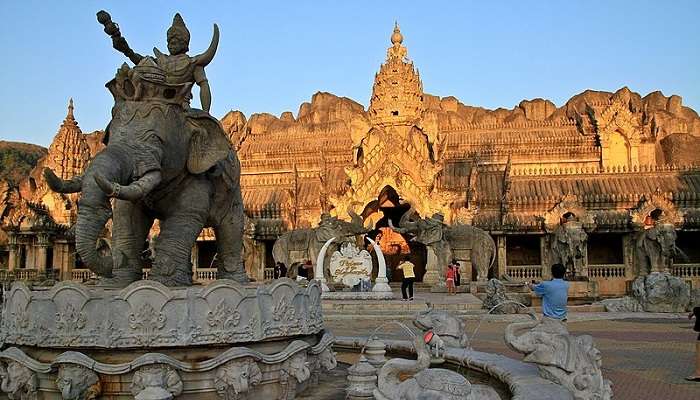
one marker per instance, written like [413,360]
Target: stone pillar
[545,257]
[12,261]
[432,274]
[41,249]
[259,260]
[628,254]
[501,256]
[195,257]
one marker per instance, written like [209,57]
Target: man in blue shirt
[554,294]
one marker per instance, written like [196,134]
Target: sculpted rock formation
[497,299]
[661,292]
[567,360]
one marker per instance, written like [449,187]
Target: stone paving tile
[646,358]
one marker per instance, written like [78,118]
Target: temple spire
[70,110]
[69,152]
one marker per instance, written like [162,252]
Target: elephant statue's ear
[208,144]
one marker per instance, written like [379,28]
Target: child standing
[450,275]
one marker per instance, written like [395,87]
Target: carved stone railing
[524,272]
[269,274]
[686,270]
[145,273]
[26,274]
[82,275]
[149,314]
[205,274]
[607,271]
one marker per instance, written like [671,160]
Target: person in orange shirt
[450,276]
[409,277]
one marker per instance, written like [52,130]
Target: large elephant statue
[568,247]
[567,360]
[425,383]
[656,248]
[162,161]
[301,245]
[450,241]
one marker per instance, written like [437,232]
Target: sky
[274,55]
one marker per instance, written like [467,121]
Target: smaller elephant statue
[294,370]
[450,242]
[571,361]
[425,383]
[301,245]
[156,382]
[18,381]
[78,383]
[324,360]
[449,328]
[656,248]
[568,247]
[235,380]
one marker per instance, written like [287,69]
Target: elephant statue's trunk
[391,374]
[513,339]
[95,209]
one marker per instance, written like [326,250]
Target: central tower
[397,94]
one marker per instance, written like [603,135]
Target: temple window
[605,248]
[687,242]
[395,113]
[523,250]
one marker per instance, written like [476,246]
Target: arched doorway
[395,246]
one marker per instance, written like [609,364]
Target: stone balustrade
[686,270]
[205,274]
[269,274]
[524,272]
[607,271]
[82,275]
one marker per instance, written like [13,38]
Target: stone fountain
[162,338]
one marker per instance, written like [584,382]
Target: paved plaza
[645,355]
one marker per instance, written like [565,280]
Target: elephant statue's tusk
[381,284]
[318,273]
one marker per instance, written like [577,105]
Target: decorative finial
[178,28]
[396,37]
[70,109]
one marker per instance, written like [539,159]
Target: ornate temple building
[612,166]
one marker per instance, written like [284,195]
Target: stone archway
[395,246]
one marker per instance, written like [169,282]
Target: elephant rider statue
[302,245]
[569,246]
[163,160]
[656,247]
[450,242]
[571,361]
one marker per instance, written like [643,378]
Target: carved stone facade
[610,159]
[251,342]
